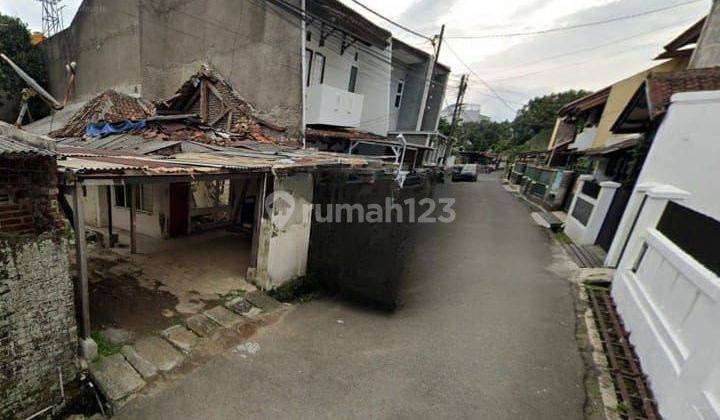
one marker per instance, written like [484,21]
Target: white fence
[669,303]
[587,214]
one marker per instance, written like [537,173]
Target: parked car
[465,173]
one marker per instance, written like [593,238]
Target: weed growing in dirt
[105,347]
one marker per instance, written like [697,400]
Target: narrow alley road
[485,331]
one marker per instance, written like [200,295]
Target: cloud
[424,15]
[586,58]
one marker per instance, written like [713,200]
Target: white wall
[373,80]
[671,303]
[147,223]
[283,249]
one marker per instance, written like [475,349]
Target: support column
[133,214]
[81,256]
[108,192]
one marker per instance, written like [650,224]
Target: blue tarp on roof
[103,129]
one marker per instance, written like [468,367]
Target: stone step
[224,317]
[180,337]
[115,377]
[262,300]
[158,352]
[146,369]
[201,325]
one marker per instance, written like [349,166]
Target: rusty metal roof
[13,146]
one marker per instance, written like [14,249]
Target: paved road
[486,331]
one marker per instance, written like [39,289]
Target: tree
[15,43]
[444,126]
[540,114]
[484,135]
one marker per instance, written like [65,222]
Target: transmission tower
[51,16]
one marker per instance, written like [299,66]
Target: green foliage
[530,130]
[105,347]
[483,135]
[444,126]
[15,43]
[540,113]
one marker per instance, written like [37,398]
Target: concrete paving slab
[201,325]
[115,377]
[159,352]
[223,316]
[180,337]
[262,301]
[145,369]
[240,306]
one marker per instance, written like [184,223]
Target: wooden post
[108,190]
[81,256]
[133,214]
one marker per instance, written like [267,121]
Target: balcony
[584,139]
[328,105]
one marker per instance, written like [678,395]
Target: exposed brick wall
[38,331]
[31,182]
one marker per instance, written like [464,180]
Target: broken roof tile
[110,106]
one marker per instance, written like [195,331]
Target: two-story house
[363,89]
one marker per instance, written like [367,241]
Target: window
[399,93]
[308,64]
[143,197]
[356,56]
[353,79]
[308,36]
[317,76]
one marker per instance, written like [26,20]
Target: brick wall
[30,183]
[38,332]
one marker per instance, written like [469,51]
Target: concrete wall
[373,79]
[151,47]
[405,118]
[670,302]
[253,44]
[104,40]
[153,224]
[38,333]
[284,240]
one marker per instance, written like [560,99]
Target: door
[179,208]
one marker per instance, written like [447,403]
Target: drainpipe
[304,70]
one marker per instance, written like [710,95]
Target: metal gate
[613,217]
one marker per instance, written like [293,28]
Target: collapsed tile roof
[661,86]
[110,106]
[224,110]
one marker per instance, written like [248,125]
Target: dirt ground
[146,293]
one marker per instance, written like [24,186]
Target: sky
[515,68]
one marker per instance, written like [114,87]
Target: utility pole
[429,78]
[457,112]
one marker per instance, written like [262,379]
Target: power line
[391,21]
[580,25]
[597,47]
[490,88]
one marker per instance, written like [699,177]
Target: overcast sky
[517,68]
